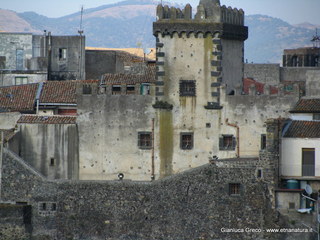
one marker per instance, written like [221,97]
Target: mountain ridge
[129,24]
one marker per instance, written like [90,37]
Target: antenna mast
[80,31]
[316,40]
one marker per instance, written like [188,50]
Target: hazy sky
[292,11]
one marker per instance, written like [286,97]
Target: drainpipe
[237,136]
[152,154]
[44,43]
[1,157]
[49,56]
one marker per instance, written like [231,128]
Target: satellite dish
[308,189]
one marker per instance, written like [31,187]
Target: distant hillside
[129,24]
[269,36]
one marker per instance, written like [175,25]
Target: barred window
[227,142]
[187,88]
[186,140]
[234,188]
[145,140]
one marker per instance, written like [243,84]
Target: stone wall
[194,205]
[263,73]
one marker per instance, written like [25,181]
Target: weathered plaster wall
[291,155]
[73,66]
[232,63]
[192,205]
[99,63]
[295,73]
[38,144]
[264,73]
[250,113]
[186,59]
[10,43]
[313,83]
[108,127]
[8,78]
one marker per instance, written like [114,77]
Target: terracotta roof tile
[18,98]
[58,92]
[121,78]
[307,106]
[39,119]
[303,129]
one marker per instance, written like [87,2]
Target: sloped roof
[38,119]
[149,76]
[18,98]
[22,98]
[307,106]
[58,92]
[303,129]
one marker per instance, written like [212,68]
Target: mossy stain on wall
[166,142]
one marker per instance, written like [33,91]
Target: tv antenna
[80,31]
[316,40]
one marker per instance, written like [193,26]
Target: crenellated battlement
[232,15]
[206,12]
[211,18]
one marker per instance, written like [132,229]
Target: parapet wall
[194,205]
[214,13]
[210,18]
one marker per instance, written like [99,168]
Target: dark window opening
[62,53]
[294,61]
[43,207]
[116,89]
[316,116]
[234,188]
[86,89]
[292,205]
[188,88]
[186,141]
[53,207]
[308,162]
[259,173]
[316,61]
[227,142]
[145,140]
[52,162]
[208,125]
[263,141]
[130,89]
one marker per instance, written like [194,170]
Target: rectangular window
[62,53]
[145,140]
[52,162]
[116,89]
[187,88]
[316,116]
[308,162]
[86,89]
[186,141]
[263,141]
[227,142]
[130,89]
[234,188]
[145,89]
[21,80]
[19,59]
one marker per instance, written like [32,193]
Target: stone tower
[195,56]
